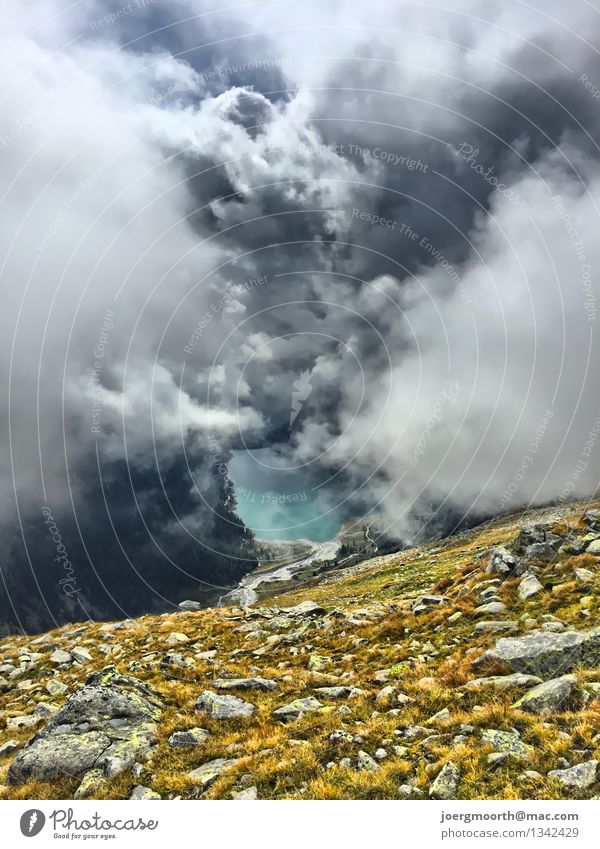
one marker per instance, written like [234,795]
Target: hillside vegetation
[468,668]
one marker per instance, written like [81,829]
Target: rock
[81,655]
[578,777]
[208,772]
[440,716]
[508,742]
[529,587]
[338,692]
[219,706]
[297,708]
[305,608]
[541,551]
[108,724]
[189,738]
[455,617]
[176,638]
[503,563]
[505,682]
[594,547]
[425,602]
[249,794]
[140,792]
[245,684]
[8,748]
[92,782]
[56,688]
[491,608]
[17,722]
[496,759]
[192,606]
[381,754]
[542,653]
[364,761]
[407,791]
[340,735]
[592,519]
[385,693]
[445,786]
[583,576]
[60,657]
[549,697]
[496,626]
[318,662]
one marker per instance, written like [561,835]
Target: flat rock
[108,724]
[517,680]
[542,653]
[496,626]
[189,738]
[140,793]
[578,777]
[508,742]
[550,696]
[188,605]
[219,706]
[8,748]
[297,708]
[338,692]
[305,608]
[245,684]
[490,608]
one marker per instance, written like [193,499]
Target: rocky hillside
[468,668]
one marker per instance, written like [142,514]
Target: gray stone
[583,576]
[305,608]
[446,784]
[56,688]
[219,706]
[111,720]
[338,692]
[594,547]
[529,587]
[490,608]
[496,626]
[364,761]
[191,606]
[140,793]
[578,777]
[318,662]
[187,739]
[407,791]
[541,551]
[249,794]
[549,697]
[92,782]
[425,602]
[503,563]
[508,742]
[297,708]
[542,653]
[505,682]
[8,748]
[208,772]
[60,657]
[81,655]
[245,684]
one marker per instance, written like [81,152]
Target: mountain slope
[468,668]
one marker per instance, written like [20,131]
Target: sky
[355,244]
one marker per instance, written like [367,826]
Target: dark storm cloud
[392,232]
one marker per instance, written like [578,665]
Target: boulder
[549,697]
[542,653]
[446,784]
[219,706]
[187,739]
[305,608]
[297,708]
[578,777]
[107,725]
[508,742]
[503,563]
[529,587]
